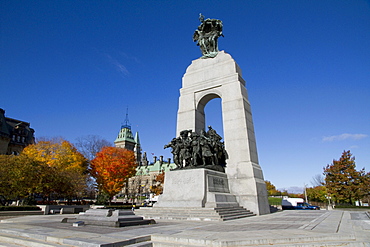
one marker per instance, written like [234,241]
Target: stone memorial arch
[200,190]
[221,77]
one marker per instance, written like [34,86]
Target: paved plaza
[285,228]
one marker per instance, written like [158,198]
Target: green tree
[317,194]
[343,182]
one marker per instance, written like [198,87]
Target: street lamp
[328,197]
[160,163]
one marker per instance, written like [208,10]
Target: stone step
[237,217]
[205,217]
[180,218]
[226,209]
[191,210]
[318,241]
[235,212]
[317,244]
[322,244]
[20,213]
[136,222]
[143,244]
[108,217]
[198,214]
[11,238]
[9,245]
[126,212]
[17,240]
[231,214]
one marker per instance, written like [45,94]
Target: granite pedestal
[196,188]
[196,194]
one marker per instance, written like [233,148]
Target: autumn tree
[89,146]
[111,168]
[19,177]
[64,169]
[344,183]
[157,188]
[271,189]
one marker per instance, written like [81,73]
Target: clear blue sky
[71,68]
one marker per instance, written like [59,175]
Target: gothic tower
[125,139]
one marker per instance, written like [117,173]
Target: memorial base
[196,188]
[195,194]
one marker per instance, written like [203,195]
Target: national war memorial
[212,175]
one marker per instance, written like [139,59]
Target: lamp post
[160,163]
[305,193]
[328,197]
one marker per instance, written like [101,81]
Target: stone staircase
[194,214]
[14,238]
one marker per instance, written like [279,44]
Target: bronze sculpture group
[204,150]
[207,35]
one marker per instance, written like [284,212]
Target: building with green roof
[126,140]
[140,185]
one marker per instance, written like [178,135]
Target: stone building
[139,186]
[15,135]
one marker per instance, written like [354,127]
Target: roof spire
[127,122]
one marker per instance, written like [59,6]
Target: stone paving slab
[287,228]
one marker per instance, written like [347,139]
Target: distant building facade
[139,186]
[15,135]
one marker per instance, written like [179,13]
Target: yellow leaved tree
[64,170]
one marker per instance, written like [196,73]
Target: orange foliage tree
[111,168]
[157,188]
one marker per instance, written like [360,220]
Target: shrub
[275,200]
[19,208]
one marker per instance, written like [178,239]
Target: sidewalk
[286,228]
